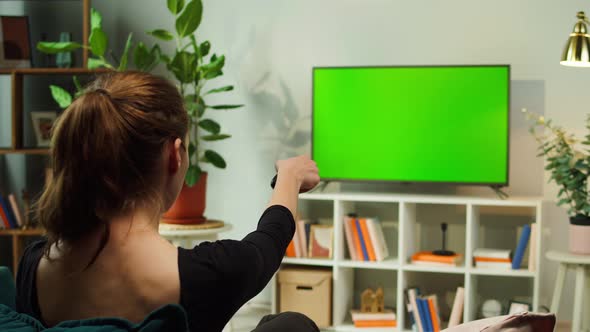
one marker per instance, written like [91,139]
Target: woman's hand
[302,169]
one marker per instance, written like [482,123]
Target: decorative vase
[580,235]
[190,204]
[64,59]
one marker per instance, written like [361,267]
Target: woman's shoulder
[32,253]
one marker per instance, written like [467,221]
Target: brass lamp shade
[577,50]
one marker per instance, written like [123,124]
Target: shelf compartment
[387,264]
[351,282]
[350,328]
[443,285]
[501,288]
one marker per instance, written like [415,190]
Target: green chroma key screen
[412,124]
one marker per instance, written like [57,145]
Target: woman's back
[132,277]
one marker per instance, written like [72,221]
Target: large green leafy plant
[190,63]
[193,66]
[568,160]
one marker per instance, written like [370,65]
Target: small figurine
[372,301]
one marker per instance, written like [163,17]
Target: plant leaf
[224,107]
[213,68]
[61,96]
[217,137]
[183,66]
[192,175]
[175,6]
[79,88]
[210,126]
[95,19]
[190,18]
[98,42]
[162,34]
[125,56]
[191,150]
[144,59]
[204,48]
[96,63]
[222,89]
[215,159]
[57,47]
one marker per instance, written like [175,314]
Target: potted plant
[193,67]
[568,160]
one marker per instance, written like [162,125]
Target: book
[15,210]
[356,239]
[412,297]
[428,258]
[492,260]
[425,314]
[378,239]
[533,249]
[434,314]
[4,219]
[291,249]
[494,265]
[375,323]
[387,315]
[367,238]
[457,310]
[520,248]
[349,240]
[300,232]
[297,243]
[7,213]
[361,240]
[493,253]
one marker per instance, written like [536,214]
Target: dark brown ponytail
[105,154]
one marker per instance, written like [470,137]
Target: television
[427,124]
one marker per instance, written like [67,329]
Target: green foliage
[210,126]
[125,57]
[61,96]
[161,34]
[568,163]
[95,19]
[175,6]
[144,59]
[98,42]
[189,20]
[57,47]
[192,175]
[215,159]
[222,89]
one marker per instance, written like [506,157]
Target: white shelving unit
[413,224]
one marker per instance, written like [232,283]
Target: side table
[579,263]
[188,236]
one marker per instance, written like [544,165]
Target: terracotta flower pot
[190,204]
[580,235]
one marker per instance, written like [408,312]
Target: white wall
[272,45]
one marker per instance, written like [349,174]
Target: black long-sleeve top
[216,278]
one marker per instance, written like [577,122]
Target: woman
[119,160]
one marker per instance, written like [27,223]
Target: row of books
[10,214]
[386,318]
[432,259]
[299,245]
[365,239]
[425,312]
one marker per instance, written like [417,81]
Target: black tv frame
[492,184]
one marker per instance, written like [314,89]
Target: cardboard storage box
[307,291]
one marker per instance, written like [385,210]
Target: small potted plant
[193,67]
[568,160]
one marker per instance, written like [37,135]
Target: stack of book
[429,258]
[299,245]
[425,313]
[510,259]
[493,258]
[10,214]
[386,318]
[365,239]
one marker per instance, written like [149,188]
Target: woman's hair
[106,154]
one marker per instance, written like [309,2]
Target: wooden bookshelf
[17,236]
[50,71]
[35,151]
